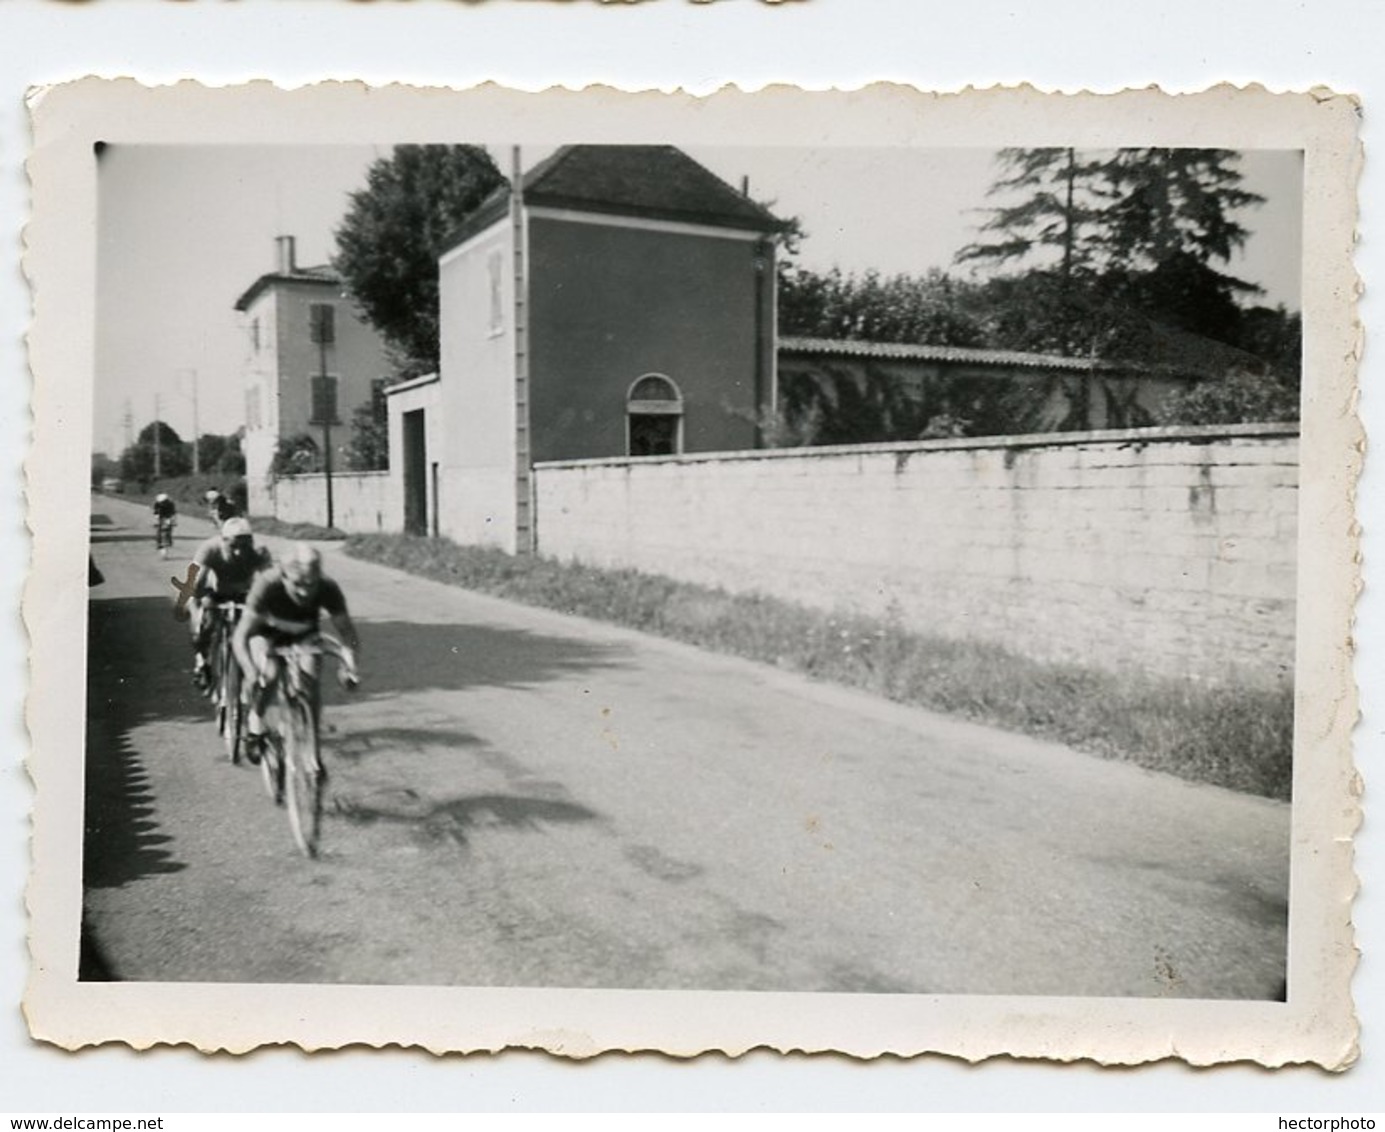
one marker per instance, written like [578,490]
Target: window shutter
[322,323]
[324,407]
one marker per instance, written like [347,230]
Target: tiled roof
[850,348]
[322,274]
[656,182]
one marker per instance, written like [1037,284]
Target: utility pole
[158,466]
[129,422]
[524,498]
[322,329]
[196,453]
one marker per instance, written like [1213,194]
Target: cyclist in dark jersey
[165,512]
[219,506]
[285,605]
[226,565]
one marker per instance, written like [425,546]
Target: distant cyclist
[219,506]
[226,566]
[165,515]
[285,605]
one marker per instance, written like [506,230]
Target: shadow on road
[138,671]
[360,743]
[451,819]
[404,656]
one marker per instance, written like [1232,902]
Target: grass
[1230,736]
[301,532]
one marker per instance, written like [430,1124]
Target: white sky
[184,230]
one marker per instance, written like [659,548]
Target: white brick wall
[1167,550]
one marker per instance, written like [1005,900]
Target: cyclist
[226,565]
[284,606]
[165,515]
[219,506]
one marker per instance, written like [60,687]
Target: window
[654,417]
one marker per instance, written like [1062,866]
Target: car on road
[112,486]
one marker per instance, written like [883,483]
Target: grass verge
[303,532]
[1236,737]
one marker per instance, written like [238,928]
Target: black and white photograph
[833,572]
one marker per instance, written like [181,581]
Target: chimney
[287,264]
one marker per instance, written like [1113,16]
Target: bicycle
[163,534]
[291,705]
[226,678]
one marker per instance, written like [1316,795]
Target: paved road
[521,798]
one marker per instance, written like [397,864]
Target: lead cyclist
[285,605]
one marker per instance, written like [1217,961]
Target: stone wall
[1166,550]
[362,502]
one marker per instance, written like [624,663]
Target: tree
[1241,397]
[296,455]
[1118,238]
[921,310]
[1063,195]
[103,468]
[393,232]
[369,447]
[138,460]
[1167,203]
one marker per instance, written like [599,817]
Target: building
[300,327]
[620,303]
[995,392]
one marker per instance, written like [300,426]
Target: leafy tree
[923,310]
[369,447]
[232,461]
[211,447]
[174,455]
[1241,397]
[296,455]
[103,467]
[393,232]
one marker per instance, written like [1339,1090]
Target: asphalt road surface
[519,798]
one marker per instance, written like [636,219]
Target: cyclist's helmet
[211,496]
[162,497]
[236,528]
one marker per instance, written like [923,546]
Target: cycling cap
[161,498]
[212,496]
[235,528]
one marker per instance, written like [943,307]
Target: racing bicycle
[226,678]
[291,704]
[163,534]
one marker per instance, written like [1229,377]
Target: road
[520,798]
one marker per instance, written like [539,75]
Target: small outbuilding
[619,303]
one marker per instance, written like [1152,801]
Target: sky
[184,230]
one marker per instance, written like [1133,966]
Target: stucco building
[284,313]
[620,303]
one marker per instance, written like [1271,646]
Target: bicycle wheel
[303,778]
[272,767]
[232,710]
